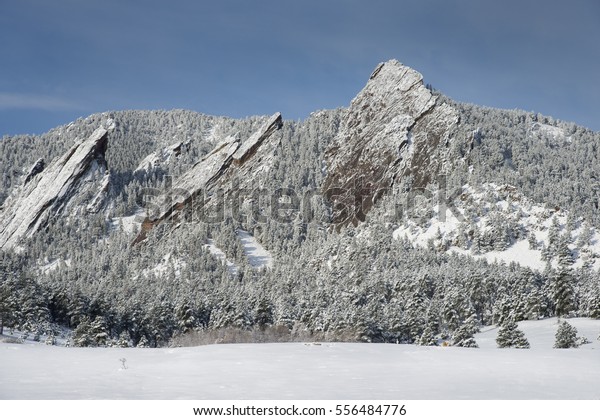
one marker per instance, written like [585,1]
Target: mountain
[405,217]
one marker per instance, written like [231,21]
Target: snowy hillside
[499,224]
[310,370]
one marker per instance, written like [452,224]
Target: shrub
[566,336]
[509,335]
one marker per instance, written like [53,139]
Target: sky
[65,59]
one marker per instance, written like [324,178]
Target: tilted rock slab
[230,159]
[393,128]
[49,191]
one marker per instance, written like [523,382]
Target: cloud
[33,101]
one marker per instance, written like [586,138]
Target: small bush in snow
[509,335]
[566,336]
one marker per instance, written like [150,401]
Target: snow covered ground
[310,370]
[218,252]
[258,257]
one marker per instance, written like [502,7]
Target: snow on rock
[100,199]
[213,171]
[110,124]
[548,132]
[161,157]
[257,255]
[37,167]
[61,185]
[392,128]
[249,147]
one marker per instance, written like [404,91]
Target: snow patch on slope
[518,253]
[53,265]
[549,132]
[169,264]
[220,255]
[257,255]
[129,224]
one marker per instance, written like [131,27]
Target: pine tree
[534,306]
[452,306]
[427,338]
[143,343]
[123,340]
[185,318]
[594,306]
[82,334]
[531,238]
[264,314]
[463,336]
[509,335]
[98,331]
[6,306]
[585,236]
[565,256]
[503,310]
[566,336]
[563,291]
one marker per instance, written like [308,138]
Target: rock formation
[48,192]
[230,159]
[393,128]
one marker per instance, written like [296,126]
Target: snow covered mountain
[401,218]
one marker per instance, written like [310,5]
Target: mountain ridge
[344,206]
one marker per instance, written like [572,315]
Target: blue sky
[63,59]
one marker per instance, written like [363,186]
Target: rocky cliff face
[230,159]
[393,128]
[64,185]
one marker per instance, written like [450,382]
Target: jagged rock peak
[392,128]
[46,192]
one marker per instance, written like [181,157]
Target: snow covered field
[310,370]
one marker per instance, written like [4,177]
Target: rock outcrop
[161,157]
[63,185]
[230,159]
[37,167]
[393,128]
